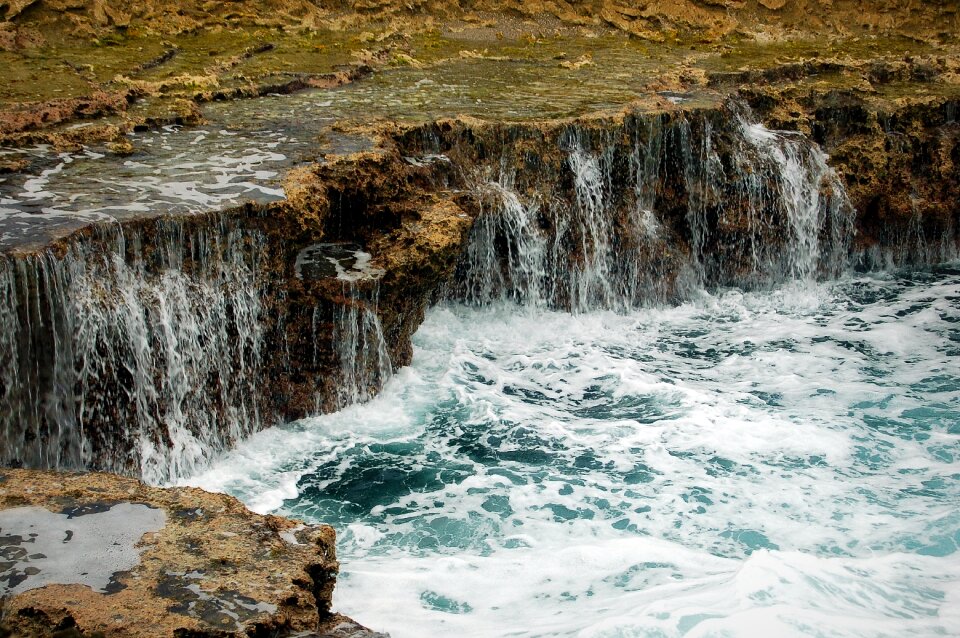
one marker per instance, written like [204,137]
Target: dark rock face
[883,196]
[901,167]
[893,138]
[639,207]
[107,344]
[173,561]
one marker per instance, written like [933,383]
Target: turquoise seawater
[775,463]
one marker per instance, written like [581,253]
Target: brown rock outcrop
[190,563]
[894,137]
[306,304]
[405,206]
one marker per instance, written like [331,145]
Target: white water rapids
[777,463]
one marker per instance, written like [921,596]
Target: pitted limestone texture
[210,568]
[39,547]
[226,609]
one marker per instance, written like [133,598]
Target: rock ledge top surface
[98,554]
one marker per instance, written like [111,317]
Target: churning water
[773,463]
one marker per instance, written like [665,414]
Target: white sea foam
[173,172]
[776,463]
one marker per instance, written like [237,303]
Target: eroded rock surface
[651,20]
[92,553]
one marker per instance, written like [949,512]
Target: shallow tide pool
[776,463]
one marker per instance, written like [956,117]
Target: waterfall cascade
[358,341]
[149,348]
[129,358]
[647,212]
[358,338]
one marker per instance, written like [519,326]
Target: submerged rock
[89,553]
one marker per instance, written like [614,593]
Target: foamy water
[781,463]
[173,171]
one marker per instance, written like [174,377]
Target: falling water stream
[777,461]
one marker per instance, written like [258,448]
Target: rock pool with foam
[772,463]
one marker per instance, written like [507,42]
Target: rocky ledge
[219,324]
[102,555]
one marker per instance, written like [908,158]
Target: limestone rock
[95,553]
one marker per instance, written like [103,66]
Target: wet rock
[367,240]
[335,280]
[342,261]
[89,553]
[121,147]
[12,165]
[343,627]
[402,198]
[890,129]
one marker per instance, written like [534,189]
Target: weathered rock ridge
[653,20]
[176,336]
